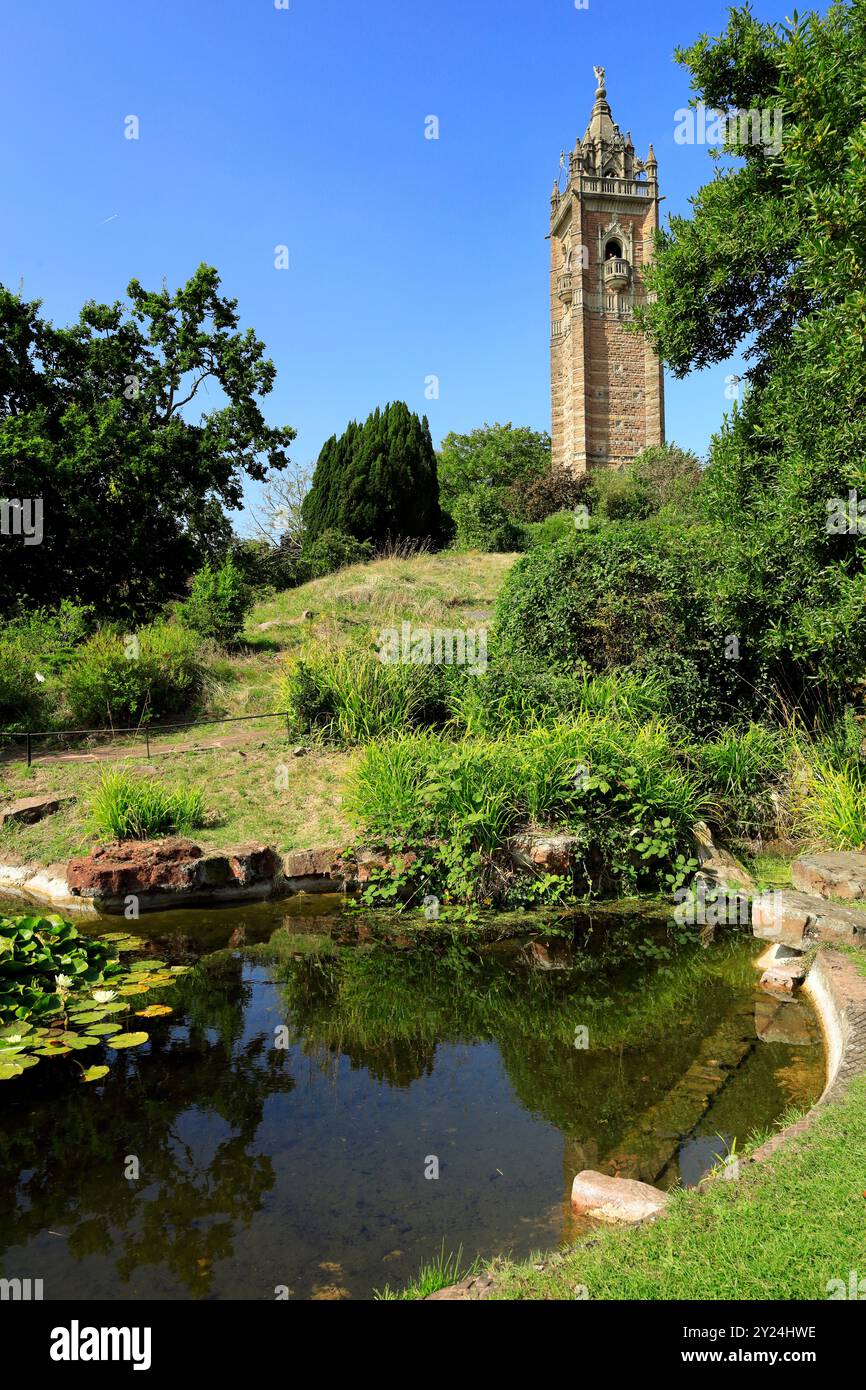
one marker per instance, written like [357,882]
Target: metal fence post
[29,750]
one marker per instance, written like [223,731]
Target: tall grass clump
[516,694]
[348,695]
[125,809]
[618,788]
[828,803]
[743,772]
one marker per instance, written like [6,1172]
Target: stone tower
[606,382]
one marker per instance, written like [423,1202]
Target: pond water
[289,1117]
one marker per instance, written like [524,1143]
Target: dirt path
[113,752]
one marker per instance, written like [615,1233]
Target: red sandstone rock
[615,1200]
[253,863]
[137,866]
[798,920]
[551,853]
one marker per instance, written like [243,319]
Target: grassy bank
[784,1231]
[252,788]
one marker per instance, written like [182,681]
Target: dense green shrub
[663,477]
[629,595]
[482,523]
[125,809]
[120,679]
[264,566]
[331,551]
[539,496]
[218,603]
[50,635]
[557,527]
[22,701]
[377,481]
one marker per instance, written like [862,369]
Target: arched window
[613,250]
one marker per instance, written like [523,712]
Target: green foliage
[377,481]
[627,596]
[265,566]
[121,679]
[538,496]
[96,420]
[829,805]
[50,635]
[482,523]
[123,808]
[21,698]
[348,695]
[493,457]
[771,260]
[334,550]
[742,771]
[58,988]
[616,787]
[559,526]
[517,693]
[218,603]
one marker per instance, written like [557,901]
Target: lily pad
[8,1070]
[154,1011]
[103,1030]
[13,1030]
[128,1040]
[94,1073]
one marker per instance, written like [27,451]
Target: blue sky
[305,127]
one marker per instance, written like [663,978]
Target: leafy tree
[773,260]
[377,481]
[99,422]
[494,456]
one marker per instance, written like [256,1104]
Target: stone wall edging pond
[837,989]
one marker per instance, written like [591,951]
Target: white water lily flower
[104,996]
[63,981]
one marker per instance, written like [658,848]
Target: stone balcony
[616,273]
[565,287]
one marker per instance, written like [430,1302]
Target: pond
[324,1109]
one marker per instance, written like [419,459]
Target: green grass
[254,792]
[783,1231]
[440,1273]
[829,802]
[124,808]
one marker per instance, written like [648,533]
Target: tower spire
[607,387]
